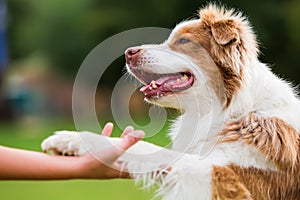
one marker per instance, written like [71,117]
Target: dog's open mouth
[158,85]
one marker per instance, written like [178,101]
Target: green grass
[75,190]
[30,137]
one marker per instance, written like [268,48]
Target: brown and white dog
[238,135]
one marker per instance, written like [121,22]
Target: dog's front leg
[143,157]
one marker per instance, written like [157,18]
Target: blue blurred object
[3,39]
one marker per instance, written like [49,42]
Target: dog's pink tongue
[159,82]
[167,84]
[179,84]
[166,79]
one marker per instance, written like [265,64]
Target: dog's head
[210,52]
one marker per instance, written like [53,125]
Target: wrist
[80,168]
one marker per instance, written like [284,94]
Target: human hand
[90,166]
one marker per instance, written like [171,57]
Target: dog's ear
[232,45]
[225,32]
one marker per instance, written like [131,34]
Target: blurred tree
[4,105]
[3,42]
[66,31]
[54,29]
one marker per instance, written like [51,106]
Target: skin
[17,164]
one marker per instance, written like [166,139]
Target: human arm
[17,164]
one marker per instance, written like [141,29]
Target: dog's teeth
[185,77]
[153,84]
[150,88]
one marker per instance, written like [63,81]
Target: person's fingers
[130,139]
[107,130]
[128,129]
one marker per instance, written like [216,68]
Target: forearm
[16,164]
[29,165]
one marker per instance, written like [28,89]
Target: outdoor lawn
[30,138]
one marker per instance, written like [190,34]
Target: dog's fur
[238,135]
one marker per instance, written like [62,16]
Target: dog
[238,133]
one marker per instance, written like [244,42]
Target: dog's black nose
[132,56]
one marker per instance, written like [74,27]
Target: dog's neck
[262,91]
[195,132]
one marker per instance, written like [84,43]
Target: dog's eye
[183,40]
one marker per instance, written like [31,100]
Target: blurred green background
[43,43]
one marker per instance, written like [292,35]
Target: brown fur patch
[226,185]
[225,32]
[273,137]
[269,185]
[227,45]
[229,41]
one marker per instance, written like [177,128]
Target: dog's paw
[64,143]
